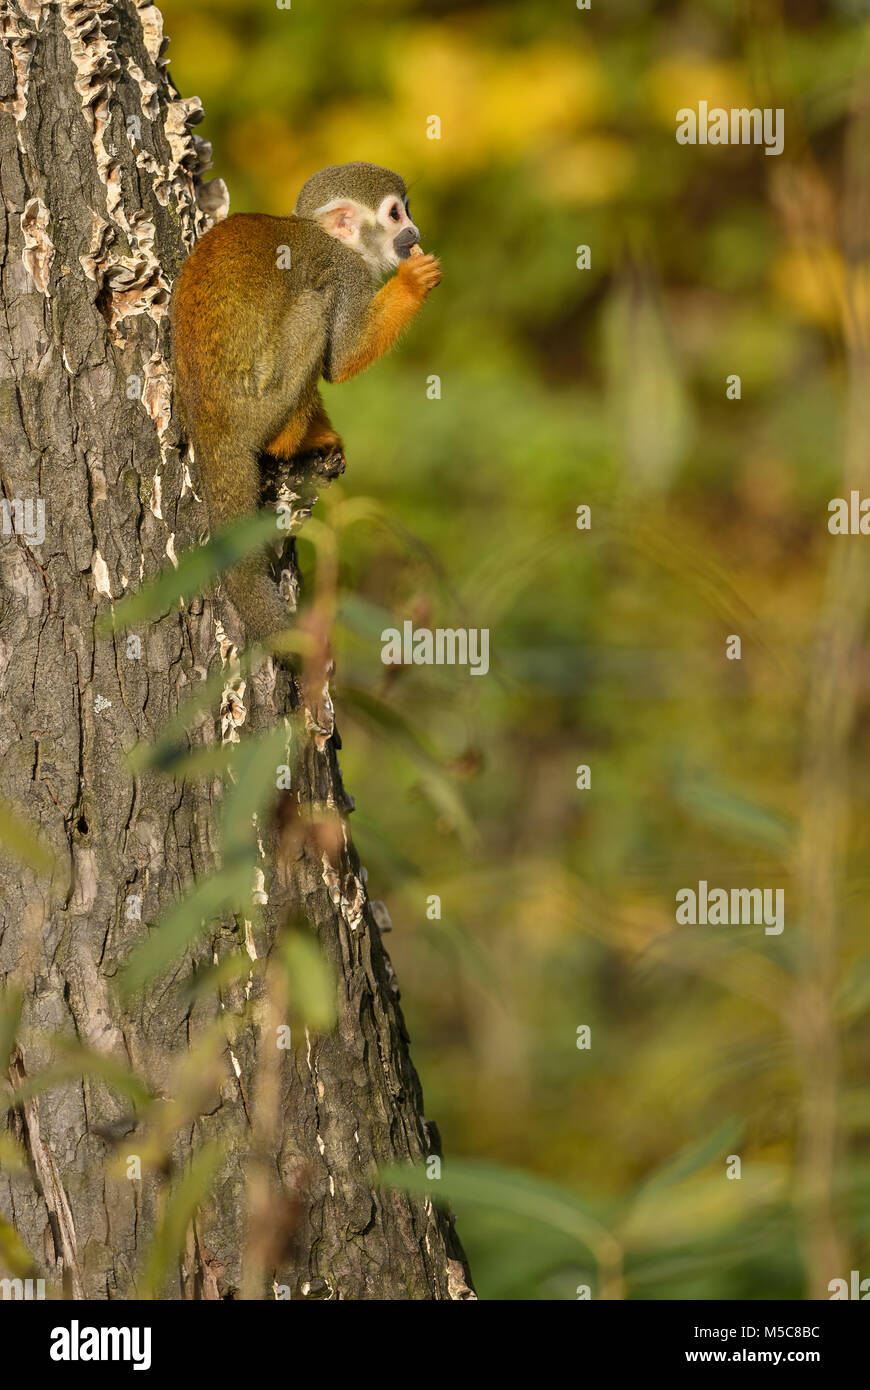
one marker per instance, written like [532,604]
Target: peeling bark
[101,201]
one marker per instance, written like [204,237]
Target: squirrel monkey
[252,339]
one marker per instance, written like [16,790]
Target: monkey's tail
[230,476]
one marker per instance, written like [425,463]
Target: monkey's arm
[354,346]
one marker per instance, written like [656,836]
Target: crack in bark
[51,1189]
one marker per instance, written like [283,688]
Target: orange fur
[295,437]
[391,310]
[255,328]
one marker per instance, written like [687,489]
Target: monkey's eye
[395,212]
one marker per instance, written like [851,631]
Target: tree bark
[101,202]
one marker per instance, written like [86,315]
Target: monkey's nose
[409,236]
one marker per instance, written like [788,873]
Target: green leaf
[14,1254]
[310,981]
[214,978]
[13,1159]
[254,767]
[21,841]
[173,752]
[193,574]
[183,761]
[514,1258]
[688,1263]
[226,891]
[173,739]
[256,774]
[11,1003]
[73,1063]
[701,1207]
[438,784]
[695,1157]
[185,1199]
[362,617]
[732,815]
[505,1190]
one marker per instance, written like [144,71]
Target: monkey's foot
[330,464]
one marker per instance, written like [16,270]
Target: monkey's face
[383,236]
[398,232]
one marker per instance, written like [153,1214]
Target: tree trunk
[101,201]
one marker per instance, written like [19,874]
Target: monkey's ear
[340,218]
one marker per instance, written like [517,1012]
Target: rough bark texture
[100,203]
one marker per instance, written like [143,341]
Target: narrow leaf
[21,841]
[227,890]
[185,1199]
[194,573]
[310,982]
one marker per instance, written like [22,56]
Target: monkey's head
[366,208]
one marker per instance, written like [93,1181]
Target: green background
[603,386]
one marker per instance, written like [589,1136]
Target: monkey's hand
[392,309]
[420,273]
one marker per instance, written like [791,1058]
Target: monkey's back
[249,313]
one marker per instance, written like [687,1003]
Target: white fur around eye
[383,212]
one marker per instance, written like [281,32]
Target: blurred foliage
[603,386]
[20,841]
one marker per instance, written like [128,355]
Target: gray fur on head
[363,183]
